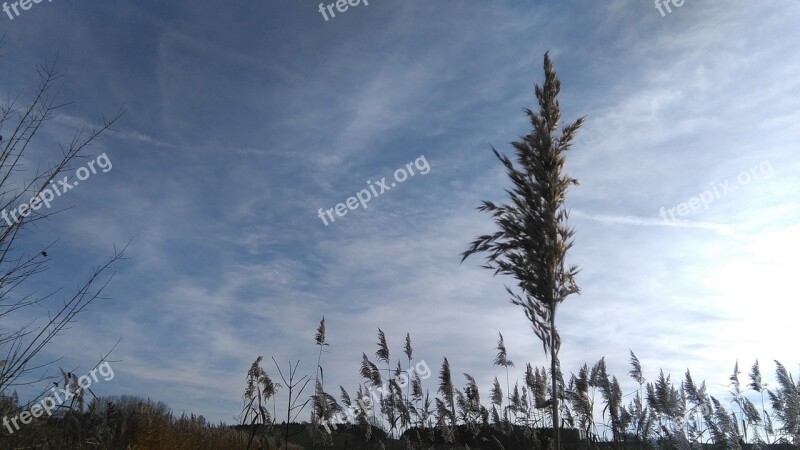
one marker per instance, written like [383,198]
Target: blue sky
[245,118]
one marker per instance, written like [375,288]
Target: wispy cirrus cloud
[232,143]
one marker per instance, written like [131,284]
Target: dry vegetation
[661,414]
[587,409]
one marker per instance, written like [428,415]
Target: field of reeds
[389,408]
[391,405]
